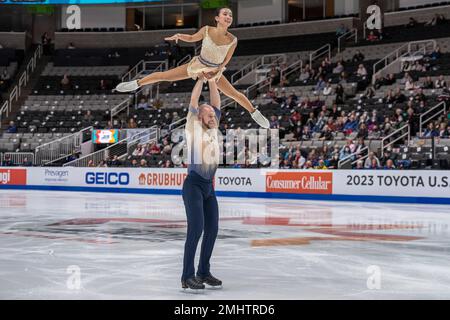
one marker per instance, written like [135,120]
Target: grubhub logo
[300,182]
[162,179]
[108,178]
[13,176]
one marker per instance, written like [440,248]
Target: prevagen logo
[56,173]
[111,178]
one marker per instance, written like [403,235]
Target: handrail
[344,160]
[316,53]
[254,64]
[349,34]
[186,58]
[295,66]
[120,107]
[422,122]
[408,133]
[75,140]
[398,53]
[85,160]
[23,80]
[127,76]
[19,155]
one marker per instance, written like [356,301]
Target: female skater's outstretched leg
[175,74]
[227,88]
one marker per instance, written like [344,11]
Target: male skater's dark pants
[202,215]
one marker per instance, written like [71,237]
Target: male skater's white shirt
[202,144]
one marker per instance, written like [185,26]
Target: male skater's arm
[193,105]
[214,97]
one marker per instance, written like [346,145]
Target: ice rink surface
[73,245]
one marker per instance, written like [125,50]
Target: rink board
[341,185]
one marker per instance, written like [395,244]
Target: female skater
[218,46]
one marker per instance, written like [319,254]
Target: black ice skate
[210,281]
[192,285]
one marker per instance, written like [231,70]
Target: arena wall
[341,185]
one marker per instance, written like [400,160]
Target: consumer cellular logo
[107,178]
[300,182]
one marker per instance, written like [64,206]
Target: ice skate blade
[209,287]
[192,291]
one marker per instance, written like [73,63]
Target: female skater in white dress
[218,46]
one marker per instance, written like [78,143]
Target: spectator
[361,72]
[65,82]
[440,83]
[274,124]
[320,85]
[339,68]
[12,128]
[368,164]
[91,163]
[167,164]
[5,75]
[7,162]
[341,30]
[430,131]
[131,124]
[372,36]
[334,161]
[412,23]
[328,90]
[102,164]
[115,162]
[370,92]
[428,83]
[26,162]
[71,46]
[374,164]
[340,96]
[142,104]
[359,165]
[358,57]
[304,74]
[103,85]
[153,148]
[326,134]
[139,151]
[389,165]
[345,153]
[46,43]
[321,165]
[134,163]
[389,80]
[436,54]
[88,118]
[143,163]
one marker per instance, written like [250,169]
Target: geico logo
[235,181]
[112,178]
[5,177]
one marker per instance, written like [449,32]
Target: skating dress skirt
[210,58]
